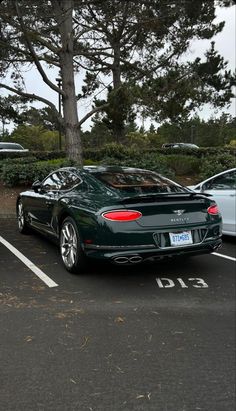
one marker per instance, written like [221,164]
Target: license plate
[181,238]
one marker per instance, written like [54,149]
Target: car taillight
[122,215]
[213,210]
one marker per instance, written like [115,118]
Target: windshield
[139,182]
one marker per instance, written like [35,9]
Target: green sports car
[124,215]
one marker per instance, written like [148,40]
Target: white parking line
[48,281]
[225,256]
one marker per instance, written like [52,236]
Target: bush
[16,161]
[24,174]
[119,151]
[150,162]
[90,162]
[40,155]
[216,164]
[20,171]
[169,166]
[113,150]
[232,144]
[207,161]
[183,164]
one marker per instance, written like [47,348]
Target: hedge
[25,170]
[214,165]
[17,173]
[120,151]
[150,162]
[40,155]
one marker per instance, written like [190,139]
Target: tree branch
[45,43]
[95,110]
[30,96]
[34,55]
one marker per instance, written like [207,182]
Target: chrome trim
[179,212]
[118,247]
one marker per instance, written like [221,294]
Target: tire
[22,225]
[71,251]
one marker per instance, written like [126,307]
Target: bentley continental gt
[121,214]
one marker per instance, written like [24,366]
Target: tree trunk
[116,67]
[64,10]
[118,127]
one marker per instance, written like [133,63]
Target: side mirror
[36,186]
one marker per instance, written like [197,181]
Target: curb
[5,216]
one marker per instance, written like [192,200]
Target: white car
[222,188]
[11,147]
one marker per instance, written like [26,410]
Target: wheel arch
[63,215]
[68,213]
[78,219]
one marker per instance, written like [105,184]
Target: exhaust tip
[134,259]
[121,260]
[217,247]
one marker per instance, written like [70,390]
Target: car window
[226,181]
[69,180]
[139,182]
[52,182]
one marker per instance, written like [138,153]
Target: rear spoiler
[162,196]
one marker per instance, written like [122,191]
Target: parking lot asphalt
[149,337]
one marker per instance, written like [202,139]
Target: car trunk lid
[169,209]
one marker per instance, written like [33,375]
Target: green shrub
[25,172]
[121,152]
[207,161]
[40,155]
[11,155]
[183,164]
[117,151]
[232,143]
[90,162]
[16,161]
[216,164]
[152,162]
[168,165]
[17,173]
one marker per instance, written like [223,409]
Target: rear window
[139,182]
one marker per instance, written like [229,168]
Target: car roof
[217,175]
[179,144]
[9,143]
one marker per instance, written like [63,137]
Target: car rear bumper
[137,254]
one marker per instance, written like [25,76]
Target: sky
[225,44]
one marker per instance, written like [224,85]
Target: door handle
[232,195]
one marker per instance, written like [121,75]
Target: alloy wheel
[20,216]
[69,244]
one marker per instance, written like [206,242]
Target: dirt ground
[8,197]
